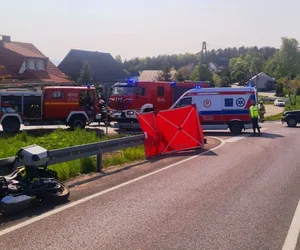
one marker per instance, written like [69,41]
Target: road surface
[242,194]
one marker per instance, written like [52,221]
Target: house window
[160,91]
[30,64]
[57,94]
[40,65]
[228,102]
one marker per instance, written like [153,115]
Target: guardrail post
[99,162]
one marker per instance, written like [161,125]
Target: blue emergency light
[132,80]
[173,84]
[198,87]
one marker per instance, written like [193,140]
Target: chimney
[5,38]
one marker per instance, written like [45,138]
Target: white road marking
[75,203]
[291,239]
[243,136]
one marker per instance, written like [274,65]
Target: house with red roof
[24,63]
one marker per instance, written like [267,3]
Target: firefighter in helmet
[262,111]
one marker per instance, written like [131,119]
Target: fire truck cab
[72,106]
[132,97]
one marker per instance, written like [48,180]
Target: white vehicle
[279,102]
[221,108]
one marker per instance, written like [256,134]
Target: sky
[139,28]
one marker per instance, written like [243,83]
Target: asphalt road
[241,195]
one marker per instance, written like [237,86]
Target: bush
[62,139]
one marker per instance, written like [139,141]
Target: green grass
[71,169]
[274,117]
[9,145]
[288,107]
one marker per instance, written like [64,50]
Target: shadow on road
[35,210]
[269,135]
[224,134]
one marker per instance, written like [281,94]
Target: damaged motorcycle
[32,182]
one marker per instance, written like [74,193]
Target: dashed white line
[291,239]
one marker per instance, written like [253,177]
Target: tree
[86,75]
[240,76]
[279,90]
[201,73]
[183,73]
[165,74]
[118,58]
[286,61]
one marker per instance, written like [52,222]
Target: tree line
[234,65]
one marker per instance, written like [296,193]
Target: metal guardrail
[86,150]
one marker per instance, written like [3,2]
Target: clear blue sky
[146,28]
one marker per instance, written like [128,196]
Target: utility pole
[203,55]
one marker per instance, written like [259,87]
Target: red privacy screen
[171,130]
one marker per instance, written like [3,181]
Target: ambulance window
[228,102]
[184,102]
[160,91]
[57,94]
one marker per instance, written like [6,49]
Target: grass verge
[288,107]
[274,117]
[72,169]
[9,145]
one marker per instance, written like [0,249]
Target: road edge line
[292,236]
[90,197]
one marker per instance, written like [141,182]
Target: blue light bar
[132,80]
[198,87]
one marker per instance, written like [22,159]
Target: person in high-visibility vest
[254,117]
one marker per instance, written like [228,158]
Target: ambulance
[221,108]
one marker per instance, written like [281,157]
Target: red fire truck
[72,106]
[130,97]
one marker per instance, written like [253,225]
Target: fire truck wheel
[77,121]
[235,128]
[11,125]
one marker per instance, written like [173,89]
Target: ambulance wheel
[235,128]
[77,121]
[11,125]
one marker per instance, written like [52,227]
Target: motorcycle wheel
[61,195]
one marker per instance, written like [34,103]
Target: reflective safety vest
[254,111]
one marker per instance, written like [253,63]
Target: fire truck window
[228,102]
[57,94]
[160,91]
[143,91]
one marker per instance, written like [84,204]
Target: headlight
[130,113]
